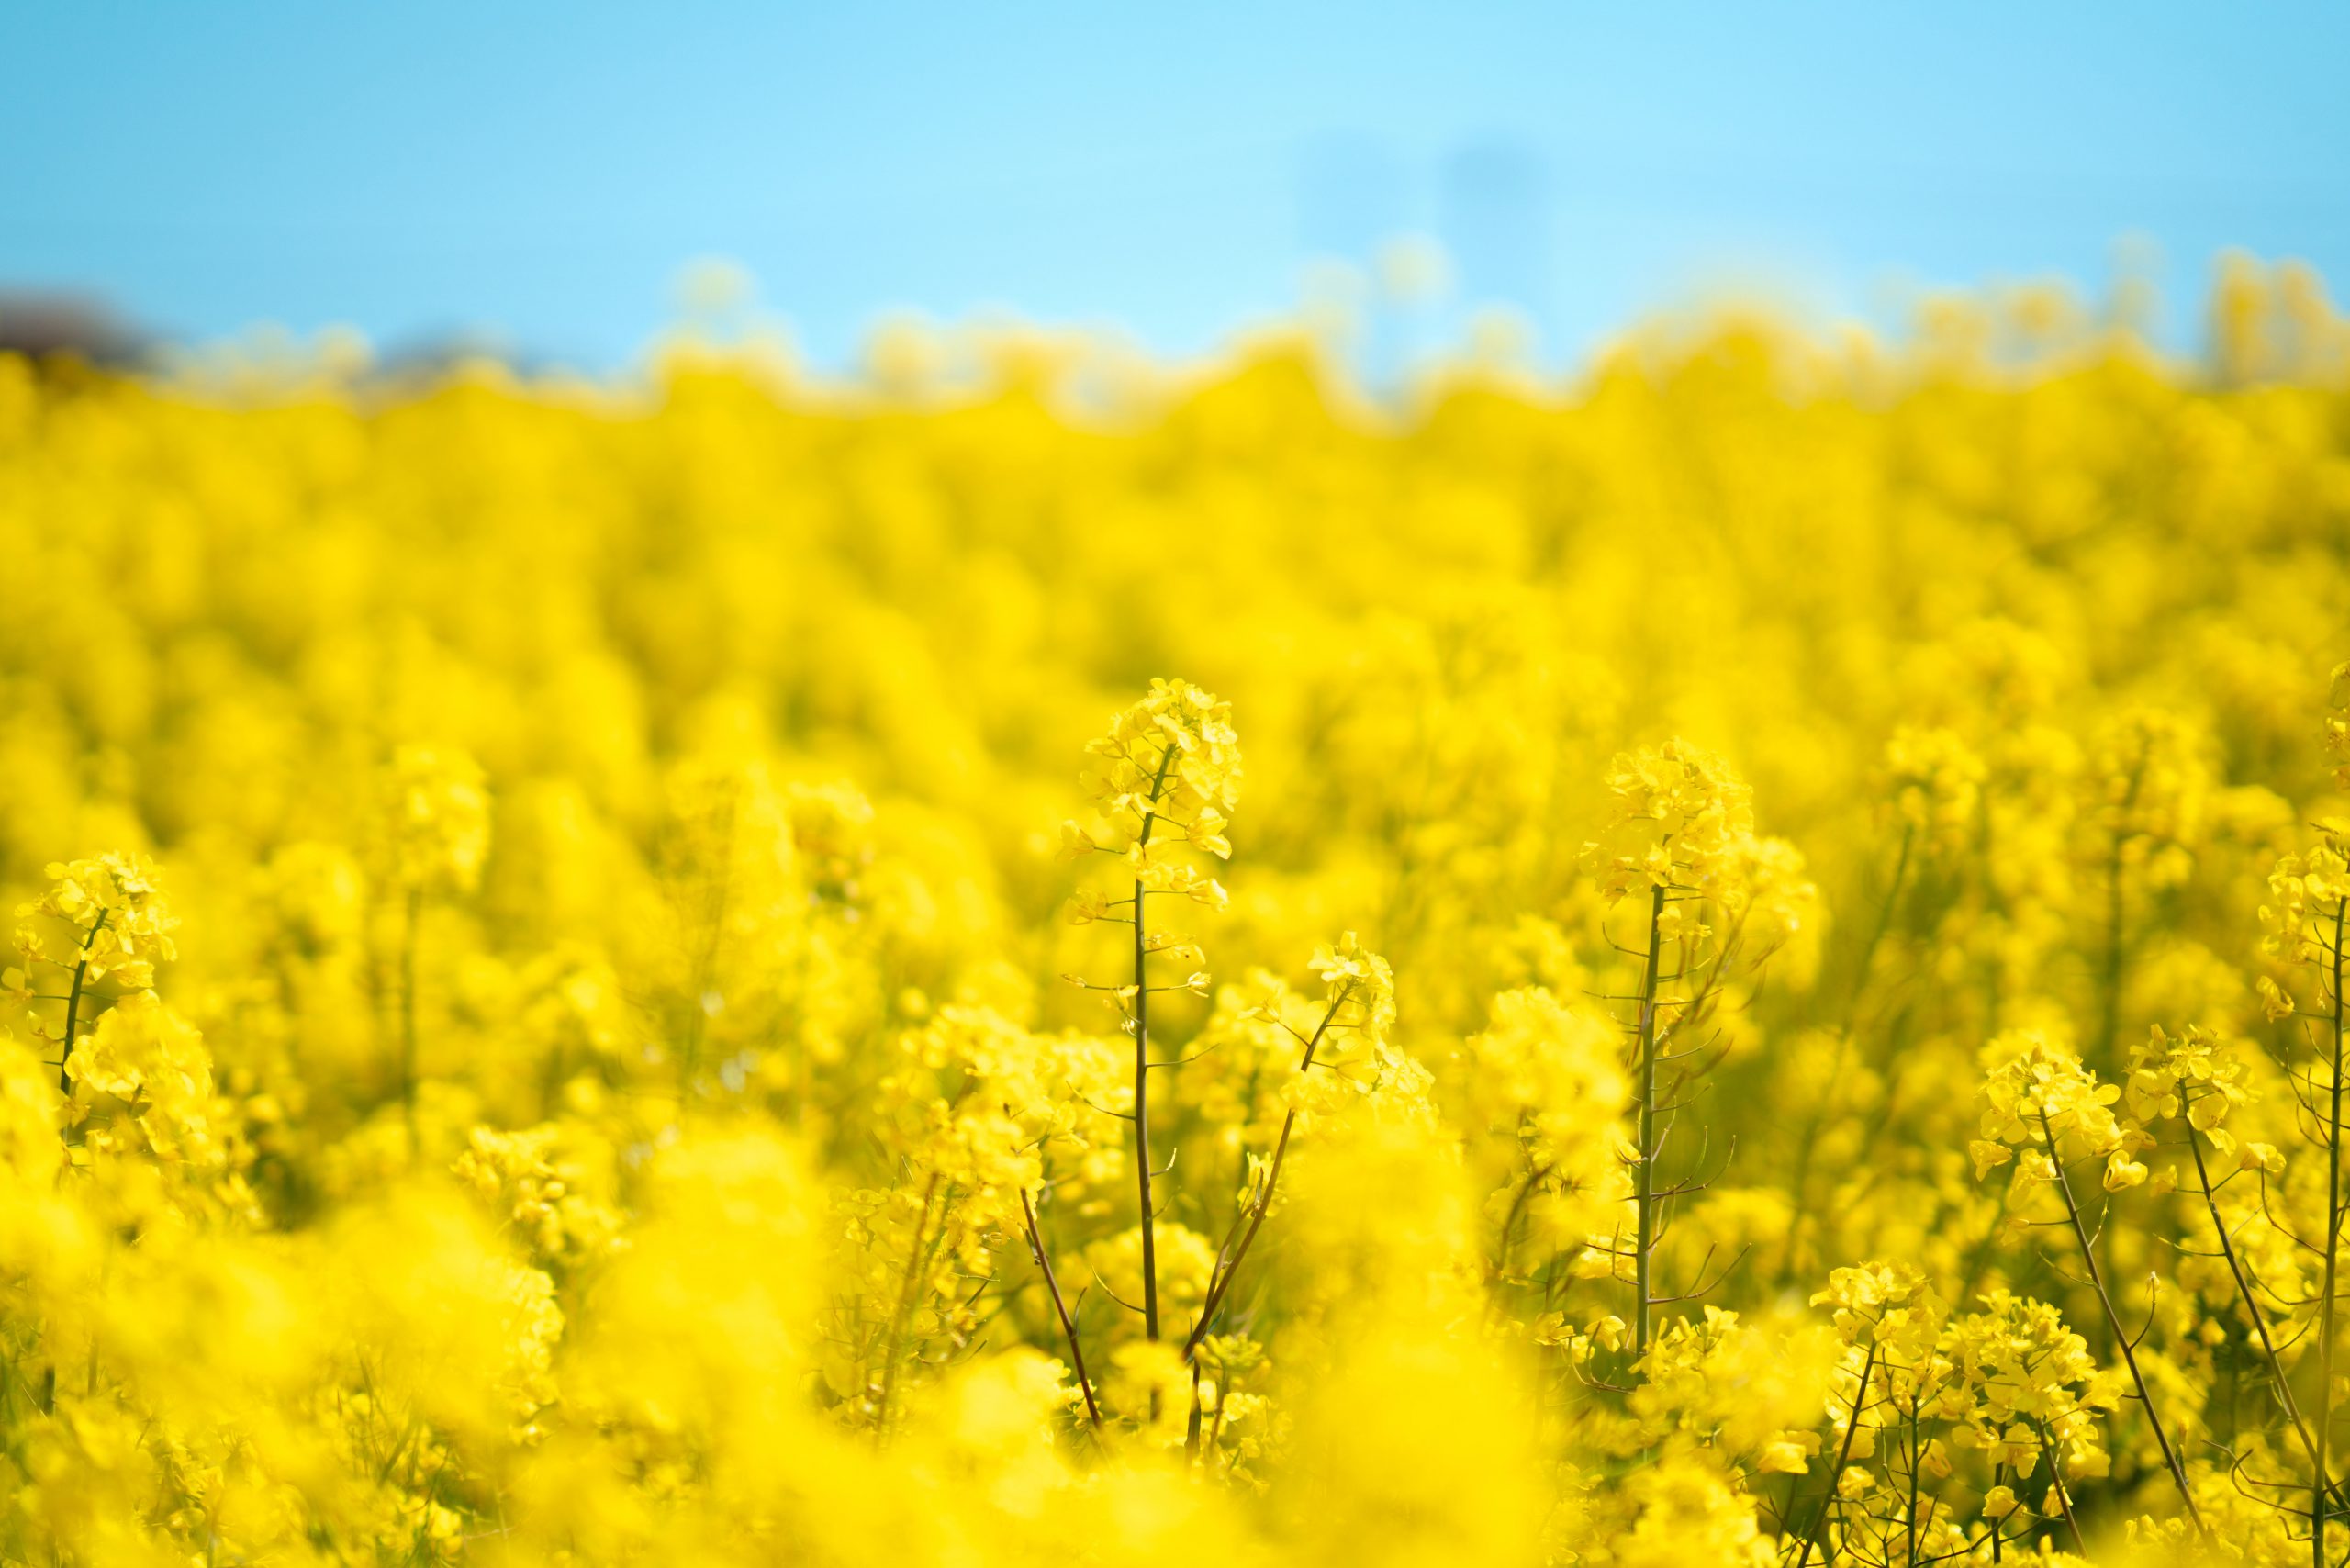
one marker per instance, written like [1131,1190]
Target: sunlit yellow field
[1041,960]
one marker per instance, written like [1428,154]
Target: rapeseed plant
[552,1049]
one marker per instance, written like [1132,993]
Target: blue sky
[543,170]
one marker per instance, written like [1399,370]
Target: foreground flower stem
[1142,1057]
[2113,1321]
[1995,1539]
[1069,1325]
[2322,1478]
[1220,1282]
[2260,1325]
[73,1005]
[1910,1519]
[1644,1175]
[2064,1491]
[1843,1457]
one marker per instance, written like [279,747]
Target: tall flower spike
[1360,985]
[106,914]
[1359,1008]
[1679,846]
[440,819]
[1166,779]
[1891,1321]
[103,916]
[1679,824]
[2041,1092]
[2041,1100]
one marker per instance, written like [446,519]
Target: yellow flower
[105,915]
[440,819]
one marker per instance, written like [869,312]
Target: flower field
[1041,959]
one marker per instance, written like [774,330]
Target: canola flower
[1777,992]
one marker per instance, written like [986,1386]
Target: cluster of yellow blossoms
[1778,994]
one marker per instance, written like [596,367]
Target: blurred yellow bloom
[587,1088]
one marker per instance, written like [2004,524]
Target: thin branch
[1069,1323]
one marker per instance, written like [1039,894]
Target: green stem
[1843,1457]
[2113,1320]
[1916,1458]
[1995,1523]
[2324,1478]
[1142,1126]
[1644,1173]
[1069,1325]
[1142,1063]
[73,1002]
[1221,1277]
[2064,1493]
[2259,1321]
